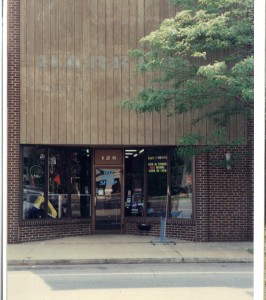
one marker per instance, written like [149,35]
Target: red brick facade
[223,198]
[223,201]
[13,121]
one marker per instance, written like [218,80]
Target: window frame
[47,149]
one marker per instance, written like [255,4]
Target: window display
[80,181]
[33,181]
[58,185]
[157,160]
[148,177]
[181,187]
[62,176]
[134,170]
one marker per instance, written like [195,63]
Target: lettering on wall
[71,61]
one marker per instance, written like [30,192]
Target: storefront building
[78,163]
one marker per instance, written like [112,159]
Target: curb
[127,261]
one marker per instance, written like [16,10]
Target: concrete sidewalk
[94,249]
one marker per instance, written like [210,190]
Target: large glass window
[134,182]
[33,182]
[62,176]
[58,183]
[148,174]
[80,183]
[181,186]
[157,160]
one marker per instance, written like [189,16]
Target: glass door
[108,198]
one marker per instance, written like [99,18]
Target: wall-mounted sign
[157,164]
[108,157]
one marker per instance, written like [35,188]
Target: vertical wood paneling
[30,72]
[132,69]
[86,86]
[241,129]
[38,52]
[186,122]
[23,71]
[140,78]
[101,73]
[148,29]
[54,38]
[70,66]
[156,119]
[75,69]
[109,92]
[175,124]
[94,73]
[211,125]
[202,127]
[233,127]
[78,68]
[62,71]
[48,65]
[125,70]
[117,82]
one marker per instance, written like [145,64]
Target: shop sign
[108,157]
[157,164]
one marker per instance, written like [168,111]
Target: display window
[157,166]
[134,182]
[33,182]
[158,183]
[181,187]
[56,182]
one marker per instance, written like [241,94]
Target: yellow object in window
[51,210]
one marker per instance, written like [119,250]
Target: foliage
[202,59]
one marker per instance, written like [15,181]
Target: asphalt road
[143,281]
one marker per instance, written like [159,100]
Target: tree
[202,55]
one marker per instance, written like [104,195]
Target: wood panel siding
[75,69]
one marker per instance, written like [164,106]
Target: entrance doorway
[108,198]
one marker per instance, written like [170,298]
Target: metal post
[163,222]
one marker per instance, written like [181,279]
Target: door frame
[119,164]
[122,203]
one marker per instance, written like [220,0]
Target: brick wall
[13,120]
[45,230]
[224,199]
[230,193]
[183,229]
[223,204]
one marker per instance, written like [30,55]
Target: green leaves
[201,56]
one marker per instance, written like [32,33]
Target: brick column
[13,88]
[202,198]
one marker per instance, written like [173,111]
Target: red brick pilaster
[13,35]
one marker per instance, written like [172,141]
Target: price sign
[157,164]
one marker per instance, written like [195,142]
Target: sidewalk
[94,249]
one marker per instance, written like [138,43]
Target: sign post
[163,224]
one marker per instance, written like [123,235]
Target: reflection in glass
[80,183]
[181,187]
[108,198]
[57,165]
[134,166]
[61,174]
[156,182]
[33,182]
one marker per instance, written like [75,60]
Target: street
[131,281]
